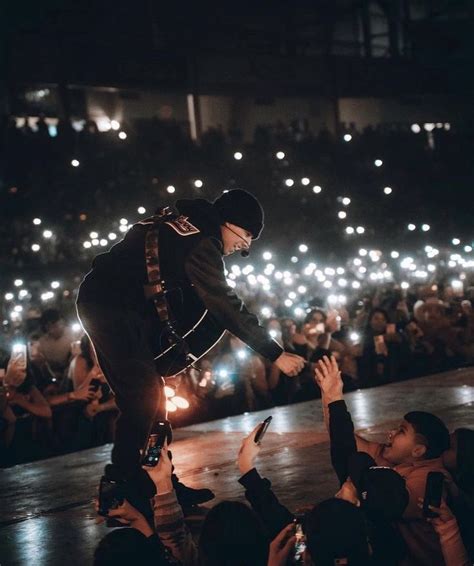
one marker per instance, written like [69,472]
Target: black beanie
[432,429]
[242,209]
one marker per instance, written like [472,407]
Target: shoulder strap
[155,288]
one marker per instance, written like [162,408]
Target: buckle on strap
[153,289]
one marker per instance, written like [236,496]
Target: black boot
[188,496]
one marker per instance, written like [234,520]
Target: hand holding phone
[111,495]
[156,441]
[19,356]
[250,447]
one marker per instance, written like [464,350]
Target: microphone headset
[245,252]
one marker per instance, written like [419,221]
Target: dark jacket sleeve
[264,502]
[205,269]
[341,437]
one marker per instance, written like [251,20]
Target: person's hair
[86,351]
[431,430]
[380,311]
[336,529]
[232,535]
[126,546]
[465,459]
[49,316]
[312,312]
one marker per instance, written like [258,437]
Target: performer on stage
[128,331]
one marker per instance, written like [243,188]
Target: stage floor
[46,515]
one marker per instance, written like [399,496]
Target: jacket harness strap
[155,289]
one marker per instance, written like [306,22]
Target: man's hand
[281,546]
[328,377]
[82,394]
[290,364]
[128,515]
[248,452]
[161,473]
[443,511]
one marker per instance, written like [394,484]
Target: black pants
[121,339]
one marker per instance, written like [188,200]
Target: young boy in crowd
[413,450]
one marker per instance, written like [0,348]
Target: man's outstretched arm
[205,269]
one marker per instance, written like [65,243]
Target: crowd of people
[97,176]
[60,402]
[386,315]
[360,317]
[378,515]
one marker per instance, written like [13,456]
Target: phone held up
[156,441]
[19,355]
[433,493]
[300,543]
[262,429]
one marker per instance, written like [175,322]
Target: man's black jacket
[191,262]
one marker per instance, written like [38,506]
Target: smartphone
[156,441]
[262,429]
[95,384]
[391,328]
[300,543]
[19,355]
[111,495]
[433,493]
[76,348]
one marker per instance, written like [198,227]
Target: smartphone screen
[155,442]
[19,355]
[262,430]
[433,492]
[300,543]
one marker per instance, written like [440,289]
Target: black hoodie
[192,262]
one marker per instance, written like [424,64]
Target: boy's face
[378,322]
[403,445]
